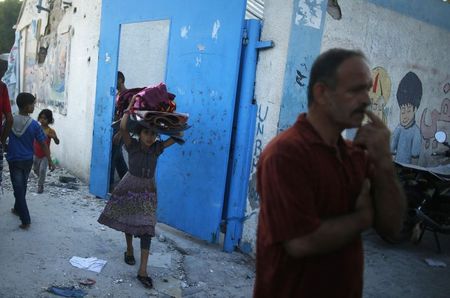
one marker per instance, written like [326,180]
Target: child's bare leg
[129,239]
[142,275]
[144,260]
[129,255]
[145,248]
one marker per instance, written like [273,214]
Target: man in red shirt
[5,109]
[319,192]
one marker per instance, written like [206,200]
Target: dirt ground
[64,225]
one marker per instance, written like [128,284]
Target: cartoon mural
[380,92]
[440,120]
[406,140]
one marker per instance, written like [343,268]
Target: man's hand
[388,197]
[364,206]
[375,137]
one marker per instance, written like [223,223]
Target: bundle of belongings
[154,108]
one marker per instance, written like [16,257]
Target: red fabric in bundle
[124,99]
[155,98]
[152,98]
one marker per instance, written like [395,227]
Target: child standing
[40,163]
[20,153]
[132,207]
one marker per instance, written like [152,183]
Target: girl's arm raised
[175,139]
[123,123]
[168,142]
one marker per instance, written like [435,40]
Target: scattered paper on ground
[91,264]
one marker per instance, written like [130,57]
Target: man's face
[407,113]
[347,102]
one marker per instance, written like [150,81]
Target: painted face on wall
[407,115]
[377,106]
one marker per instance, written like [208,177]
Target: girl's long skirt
[132,206]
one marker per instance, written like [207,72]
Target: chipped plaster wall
[268,94]
[73,121]
[397,44]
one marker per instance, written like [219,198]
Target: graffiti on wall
[260,119]
[46,57]
[380,92]
[299,78]
[46,78]
[439,120]
[406,139]
[253,198]
[309,13]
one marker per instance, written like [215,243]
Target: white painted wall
[75,128]
[399,44]
[143,52]
[268,92]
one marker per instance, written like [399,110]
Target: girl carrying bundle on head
[132,206]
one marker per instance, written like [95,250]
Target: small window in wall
[255,9]
[143,52]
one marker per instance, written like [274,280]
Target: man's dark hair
[48,115]
[409,90]
[325,66]
[120,76]
[24,99]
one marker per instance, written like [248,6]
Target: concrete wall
[268,93]
[397,43]
[73,107]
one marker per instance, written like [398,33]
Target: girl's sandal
[129,259]
[146,281]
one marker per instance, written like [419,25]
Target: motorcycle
[428,193]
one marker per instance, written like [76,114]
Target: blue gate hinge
[245,37]
[265,44]
[259,44]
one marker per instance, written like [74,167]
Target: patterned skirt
[132,206]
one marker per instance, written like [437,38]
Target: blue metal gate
[202,70]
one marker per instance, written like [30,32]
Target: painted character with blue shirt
[406,140]
[20,153]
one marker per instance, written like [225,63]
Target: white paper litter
[91,264]
[435,263]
